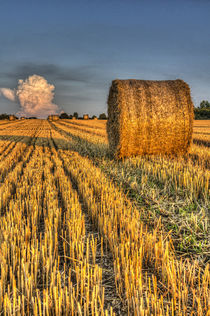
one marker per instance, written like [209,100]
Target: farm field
[83,234]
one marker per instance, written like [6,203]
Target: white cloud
[8,93]
[34,95]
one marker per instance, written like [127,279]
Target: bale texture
[85,117]
[149,117]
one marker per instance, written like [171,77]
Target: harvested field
[83,234]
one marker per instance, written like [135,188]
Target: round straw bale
[149,117]
[85,117]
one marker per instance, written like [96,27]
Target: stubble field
[83,234]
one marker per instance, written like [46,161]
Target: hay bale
[149,117]
[85,117]
[12,118]
[53,117]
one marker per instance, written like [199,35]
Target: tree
[102,116]
[94,116]
[4,116]
[204,104]
[64,116]
[75,115]
[203,111]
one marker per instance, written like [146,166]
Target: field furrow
[102,257]
[12,170]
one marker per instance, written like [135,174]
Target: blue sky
[81,46]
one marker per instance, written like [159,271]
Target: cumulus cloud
[34,95]
[8,93]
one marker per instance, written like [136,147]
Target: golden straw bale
[53,117]
[149,117]
[85,117]
[12,118]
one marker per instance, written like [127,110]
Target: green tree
[204,104]
[64,116]
[102,116]
[4,116]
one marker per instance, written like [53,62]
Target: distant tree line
[203,111]
[64,115]
[5,116]
[102,116]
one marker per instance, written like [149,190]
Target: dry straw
[149,117]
